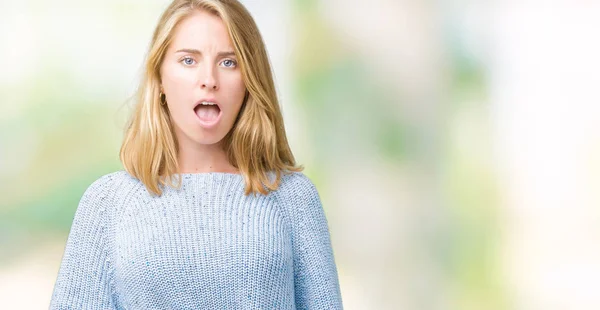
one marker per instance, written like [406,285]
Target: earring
[163,98]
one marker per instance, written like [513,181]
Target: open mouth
[208,112]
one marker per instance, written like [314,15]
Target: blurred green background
[455,144]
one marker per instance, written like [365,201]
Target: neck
[204,158]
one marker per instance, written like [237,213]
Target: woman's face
[202,80]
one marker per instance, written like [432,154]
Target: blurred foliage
[349,113]
[69,141]
[346,110]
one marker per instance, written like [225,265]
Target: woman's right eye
[188,61]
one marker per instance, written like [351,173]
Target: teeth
[207,103]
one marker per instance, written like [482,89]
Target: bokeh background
[455,143]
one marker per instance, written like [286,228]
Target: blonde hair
[255,145]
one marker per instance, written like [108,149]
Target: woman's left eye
[229,63]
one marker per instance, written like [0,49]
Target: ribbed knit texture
[204,246]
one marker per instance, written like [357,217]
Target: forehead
[201,30]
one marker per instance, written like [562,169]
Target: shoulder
[298,191]
[296,182]
[106,186]
[106,182]
[101,195]
[299,198]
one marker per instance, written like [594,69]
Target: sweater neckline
[207,174]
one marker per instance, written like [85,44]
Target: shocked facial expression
[201,80]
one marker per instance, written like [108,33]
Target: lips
[208,99]
[208,112]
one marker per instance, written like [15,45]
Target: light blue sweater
[204,246]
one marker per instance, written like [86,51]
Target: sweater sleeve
[82,281]
[316,281]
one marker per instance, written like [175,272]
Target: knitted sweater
[204,246]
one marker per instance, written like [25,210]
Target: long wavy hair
[256,145]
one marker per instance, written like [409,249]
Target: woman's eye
[229,63]
[188,61]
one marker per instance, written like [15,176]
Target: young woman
[211,211]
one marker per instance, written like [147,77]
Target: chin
[204,136]
[197,134]
[208,139]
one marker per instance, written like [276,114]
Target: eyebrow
[195,51]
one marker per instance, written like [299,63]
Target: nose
[209,80]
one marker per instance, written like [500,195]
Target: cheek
[177,81]
[178,85]
[236,89]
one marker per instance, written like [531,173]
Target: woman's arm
[315,273]
[82,281]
